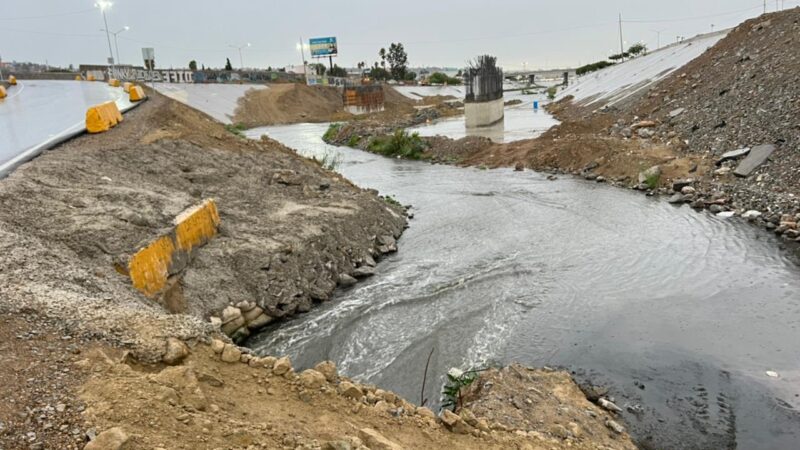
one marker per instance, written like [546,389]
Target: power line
[48,16]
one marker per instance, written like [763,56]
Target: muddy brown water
[679,313]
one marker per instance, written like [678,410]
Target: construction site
[387,256]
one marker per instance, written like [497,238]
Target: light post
[301,47]
[116,43]
[104,5]
[241,61]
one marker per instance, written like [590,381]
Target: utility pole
[765,6]
[103,5]
[303,54]
[621,45]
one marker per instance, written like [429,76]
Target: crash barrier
[126,86]
[151,267]
[137,94]
[90,78]
[113,82]
[78,78]
[102,117]
[3,93]
[12,80]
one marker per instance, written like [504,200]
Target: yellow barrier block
[196,226]
[78,78]
[137,94]
[100,118]
[126,86]
[3,93]
[149,267]
[113,82]
[12,80]
[90,78]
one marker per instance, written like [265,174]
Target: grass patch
[333,130]
[652,181]
[401,144]
[330,160]
[551,92]
[236,128]
[391,200]
[353,141]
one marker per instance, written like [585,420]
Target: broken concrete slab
[758,156]
[733,154]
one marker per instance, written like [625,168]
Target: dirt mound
[260,402]
[290,103]
[289,227]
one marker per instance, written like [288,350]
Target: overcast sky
[543,34]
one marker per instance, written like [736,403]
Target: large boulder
[176,350]
[111,439]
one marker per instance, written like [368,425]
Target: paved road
[36,113]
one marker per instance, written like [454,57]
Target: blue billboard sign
[322,47]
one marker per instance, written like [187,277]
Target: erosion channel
[679,313]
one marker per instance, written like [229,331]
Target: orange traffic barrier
[90,77]
[137,94]
[103,117]
[3,92]
[113,82]
[12,80]
[126,86]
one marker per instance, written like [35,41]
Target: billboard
[321,47]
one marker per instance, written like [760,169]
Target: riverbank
[144,367]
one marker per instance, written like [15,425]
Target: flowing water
[680,313]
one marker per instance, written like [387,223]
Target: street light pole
[116,44]
[103,5]
[241,60]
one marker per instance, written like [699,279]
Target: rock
[350,390]
[111,439]
[651,173]
[593,393]
[231,353]
[376,441]
[176,351]
[217,346]
[715,209]
[425,412]
[733,154]
[614,426]
[259,322]
[722,171]
[337,445]
[282,366]
[600,179]
[676,199]
[559,431]
[230,313]
[364,272]
[751,215]
[346,280]
[268,362]
[643,124]
[676,112]
[626,132]
[328,369]
[758,156]
[519,167]
[450,418]
[645,133]
[468,417]
[688,190]
[678,185]
[726,214]
[312,379]
[610,406]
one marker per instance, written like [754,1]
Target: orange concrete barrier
[113,82]
[126,86]
[12,80]
[103,117]
[137,94]
[90,78]
[3,93]
[150,267]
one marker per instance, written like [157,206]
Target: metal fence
[484,80]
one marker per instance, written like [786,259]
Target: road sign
[149,56]
[323,47]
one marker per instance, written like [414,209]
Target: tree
[411,76]
[193,65]
[318,68]
[337,72]
[398,61]
[203,67]
[637,49]
[379,73]
[228,65]
[382,54]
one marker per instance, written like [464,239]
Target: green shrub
[333,130]
[589,68]
[402,144]
[237,129]
[456,381]
[329,160]
[652,181]
[551,92]
[353,141]
[441,78]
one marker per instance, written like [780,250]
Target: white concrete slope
[616,83]
[38,114]
[217,100]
